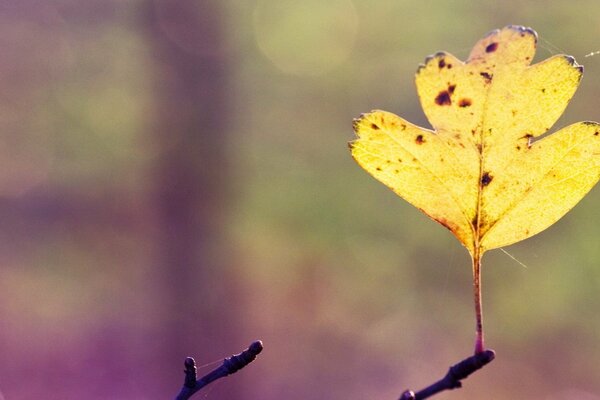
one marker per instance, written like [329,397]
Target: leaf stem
[479,346]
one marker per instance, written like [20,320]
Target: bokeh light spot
[305,38]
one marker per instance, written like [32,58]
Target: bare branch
[230,365]
[455,374]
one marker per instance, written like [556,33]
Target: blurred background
[175,180]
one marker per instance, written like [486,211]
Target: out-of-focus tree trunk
[189,123]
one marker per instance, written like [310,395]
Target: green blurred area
[145,220]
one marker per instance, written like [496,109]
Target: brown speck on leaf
[451,88]
[378,168]
[596,133]
[486,178]
[419,139]
[487,76]
[528,136]
[491,47]
[403,126]
[449,66]
[399,160]
[479,147]
[464,103]
[396,171]
[518,147]
[441,63]
[374,126]
[543,90]
[443,98]
[514,112]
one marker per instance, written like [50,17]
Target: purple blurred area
[175,181]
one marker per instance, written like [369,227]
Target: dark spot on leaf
[528,136]
[419,139]
[514,112]
[486,178]
[441,63]
[543,90]
[474,221]
[399,160]
[570,60]
[596,133]
[491,47]
[518,147]
[443,98]
[449,66]
[487,76]
[451,88]
[464,103]
[388,161]
[479,147]
[396,171]
[374,126]
[378,168]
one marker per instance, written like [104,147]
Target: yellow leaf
[483,172]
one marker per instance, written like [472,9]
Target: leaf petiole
[479,346]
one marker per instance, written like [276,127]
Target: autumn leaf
[483,172]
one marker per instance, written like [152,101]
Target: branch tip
[455,374]
[230,365]
[239,361]
[189,363]
[190,373]
[256,347]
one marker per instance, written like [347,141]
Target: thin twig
[229,366]
[455,374]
